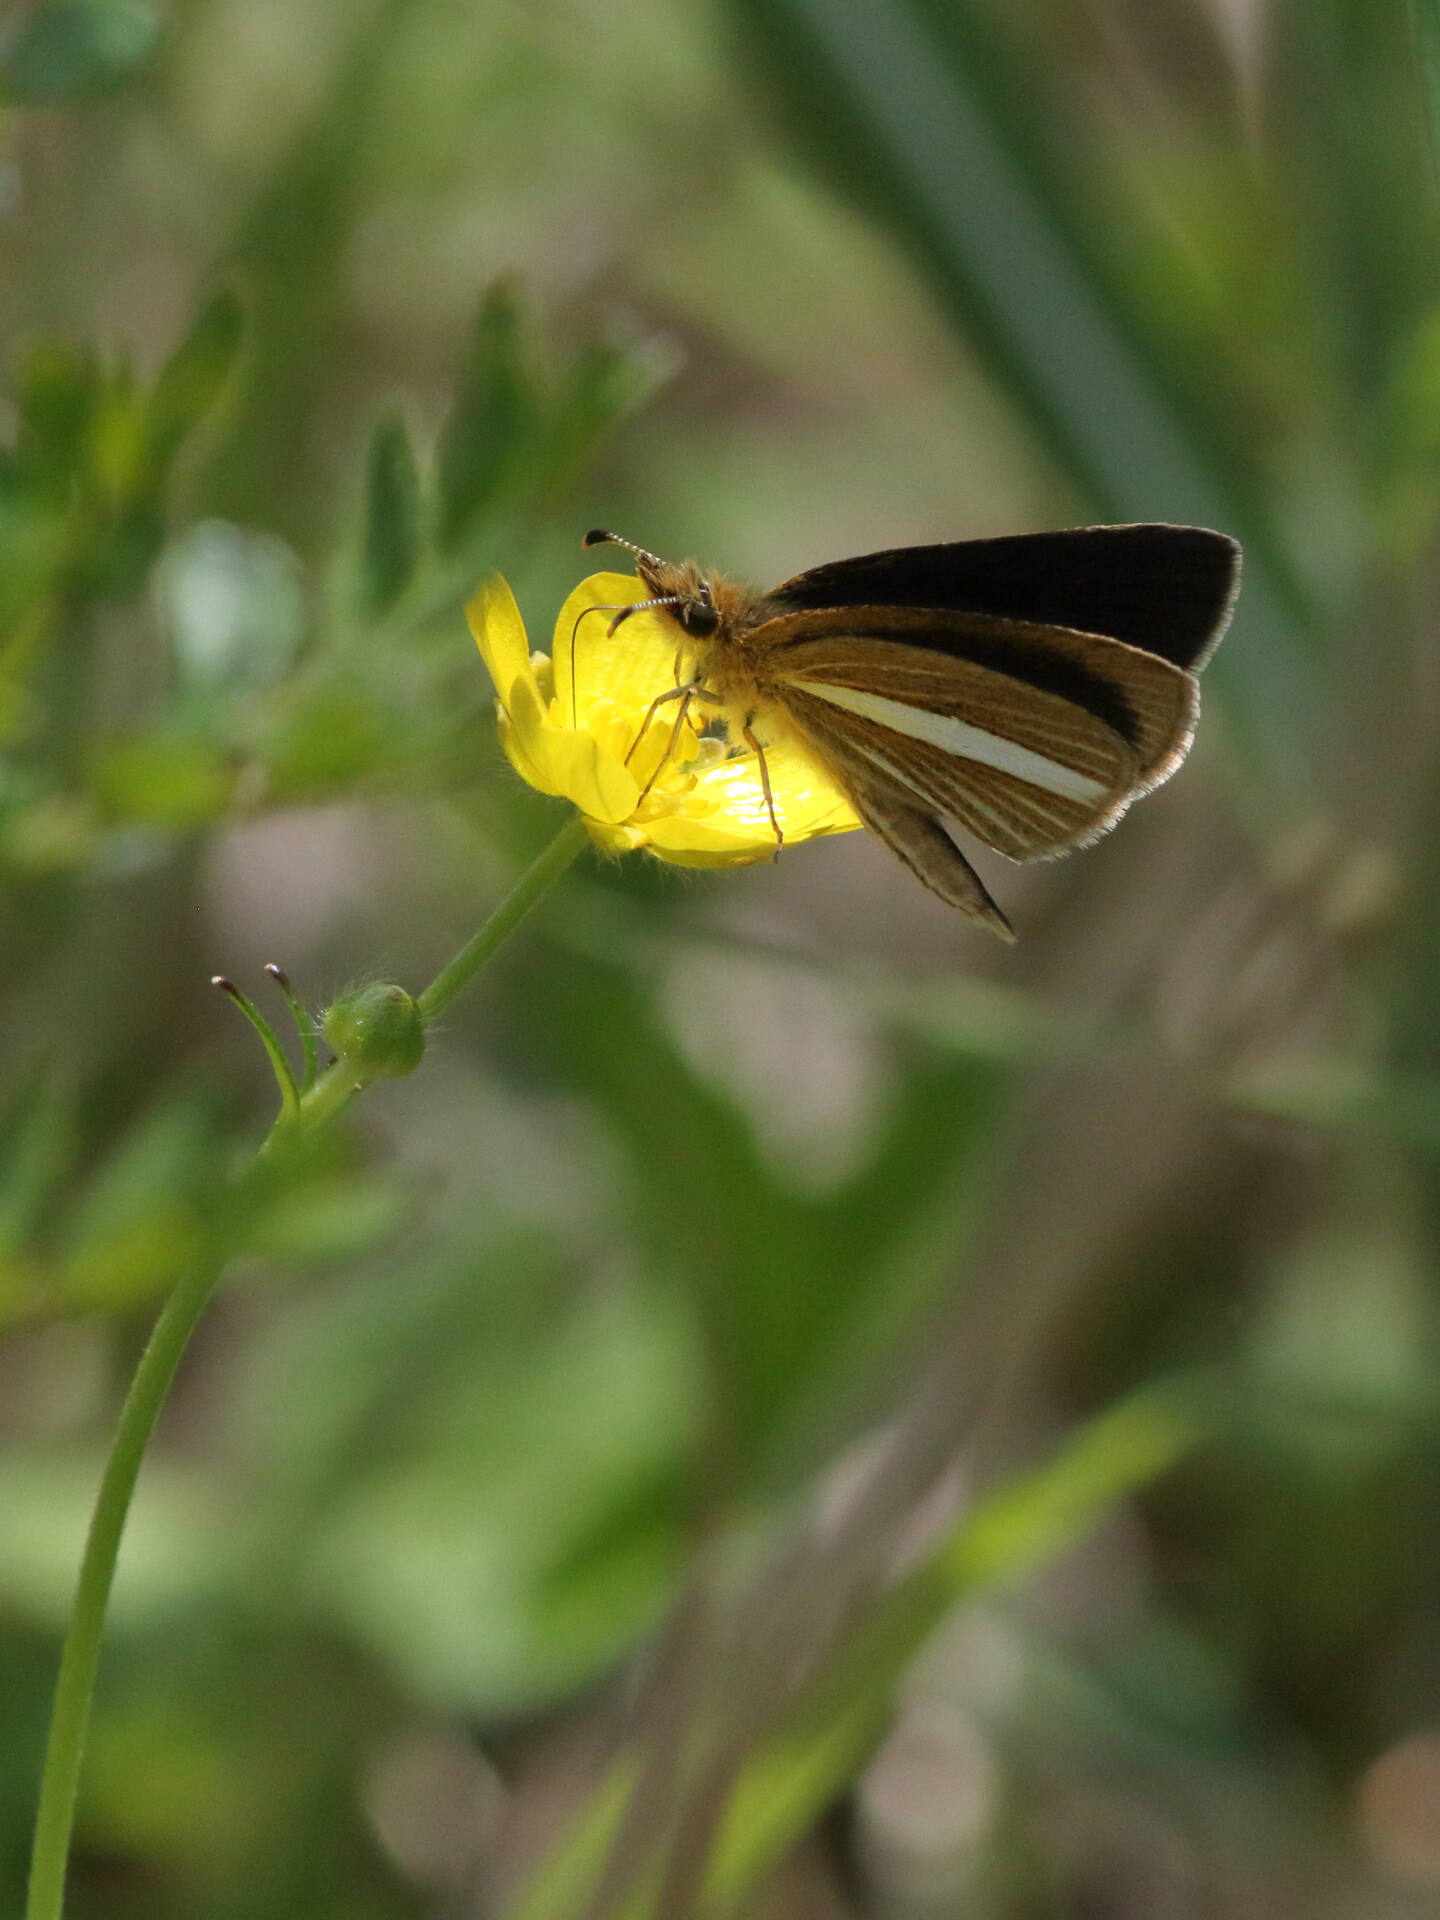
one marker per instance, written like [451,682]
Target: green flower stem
[332,1093]
[70,1713]
[529,890]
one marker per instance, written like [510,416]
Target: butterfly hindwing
[1168,590]
[931,855]
[1034,739]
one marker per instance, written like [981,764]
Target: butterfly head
[689,595]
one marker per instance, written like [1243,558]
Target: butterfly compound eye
[699,615]
[697,610]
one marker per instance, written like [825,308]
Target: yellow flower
[705,805]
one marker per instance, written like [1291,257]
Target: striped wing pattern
[1034,739]
[930,854]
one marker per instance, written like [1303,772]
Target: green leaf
[610,378]
[1004,1539]
[72,48]
[175,1537]
[328,736]
[391,538]
[195,376]
[1425,15]
[1370,260]
[328,1217]
[61,392]
[492,425]
[451,1439]
[37,1148]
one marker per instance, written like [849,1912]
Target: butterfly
[1023,690]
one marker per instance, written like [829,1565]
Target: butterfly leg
[685,693]
[686,696]
[748,735]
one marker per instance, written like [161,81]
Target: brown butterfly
[1024,689]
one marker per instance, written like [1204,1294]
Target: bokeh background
[794,1410]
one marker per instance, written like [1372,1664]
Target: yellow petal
[628,668]
[807,802]
[562,761]
[514,739]
[724,821]
[499,633]
[612,838]
[806,797]
[708,842]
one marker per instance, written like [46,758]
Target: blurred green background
[795,1410]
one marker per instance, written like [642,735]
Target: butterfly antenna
[598,537]
[574,631]
[621,613]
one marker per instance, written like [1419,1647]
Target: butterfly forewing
[979,733]
[1168,590]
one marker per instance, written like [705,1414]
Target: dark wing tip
[1166,589]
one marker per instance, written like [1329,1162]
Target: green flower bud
[378,1031]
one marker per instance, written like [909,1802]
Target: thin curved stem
[70,1714]
[525,896]
[323,1103]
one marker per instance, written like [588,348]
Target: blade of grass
[826,1736]
[1006,1538]
[928,145]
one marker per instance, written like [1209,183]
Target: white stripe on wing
[943,730]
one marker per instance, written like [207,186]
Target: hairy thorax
[714,619]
